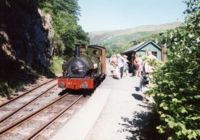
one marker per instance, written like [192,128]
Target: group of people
[141,65]
[119,66]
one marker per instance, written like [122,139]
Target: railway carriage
[85,70]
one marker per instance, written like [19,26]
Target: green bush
[176,87]
[56,65]
[5,90]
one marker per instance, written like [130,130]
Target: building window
[154,53]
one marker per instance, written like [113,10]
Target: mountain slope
[119,38]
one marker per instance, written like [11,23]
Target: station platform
[108,113]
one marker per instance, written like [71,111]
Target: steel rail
[29,116]
[26,93]
[14,112]
[60,114]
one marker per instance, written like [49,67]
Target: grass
[7,88]
[56,65]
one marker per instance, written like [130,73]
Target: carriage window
[154,53]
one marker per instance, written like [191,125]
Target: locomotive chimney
[77,50]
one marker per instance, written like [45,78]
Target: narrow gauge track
[13,106]
[26,93]
[29,127]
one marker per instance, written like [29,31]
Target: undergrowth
[56,65]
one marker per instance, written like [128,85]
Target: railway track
[13,106]
[32,114]
[32,125]
[25,93]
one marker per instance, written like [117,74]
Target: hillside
[117,38]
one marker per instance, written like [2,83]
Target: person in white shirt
[120,64]
[147,67]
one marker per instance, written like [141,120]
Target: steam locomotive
[85,70]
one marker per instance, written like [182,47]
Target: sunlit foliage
[177,84]
[65,15]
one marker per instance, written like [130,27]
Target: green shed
[142,48]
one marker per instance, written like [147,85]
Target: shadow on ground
[84,92]
[137,96]
[142,126]
[143,98]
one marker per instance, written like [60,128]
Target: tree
[177,83]
[65,15]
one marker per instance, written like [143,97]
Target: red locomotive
[85,70]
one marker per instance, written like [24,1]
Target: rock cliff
[26,36]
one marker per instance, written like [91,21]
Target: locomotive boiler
[85,70]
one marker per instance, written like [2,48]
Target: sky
[101,15]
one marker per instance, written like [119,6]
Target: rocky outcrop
[49,31]
[25,35]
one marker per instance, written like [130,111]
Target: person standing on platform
[149,68]
[137,65]
[115,71]
[120,64]
[126,69]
